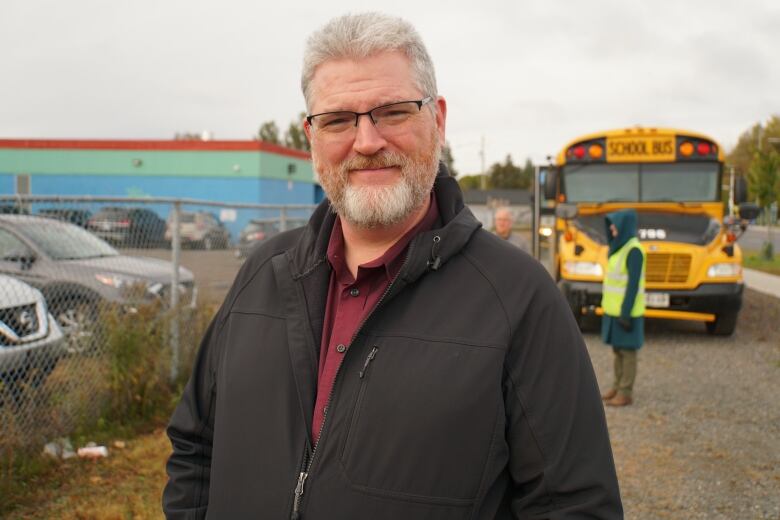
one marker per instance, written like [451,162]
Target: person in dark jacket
[623,302]
[390,360]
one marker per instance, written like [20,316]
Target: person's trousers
[625,370]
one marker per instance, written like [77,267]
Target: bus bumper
[704,303]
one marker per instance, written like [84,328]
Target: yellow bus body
[679,270]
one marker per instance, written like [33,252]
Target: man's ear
[441,117]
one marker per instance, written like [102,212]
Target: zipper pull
[371,356]
[296,512]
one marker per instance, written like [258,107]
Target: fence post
[283,219]
[175,253]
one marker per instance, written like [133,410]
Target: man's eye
[336,121]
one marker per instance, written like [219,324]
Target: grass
[126,485]
[754,260]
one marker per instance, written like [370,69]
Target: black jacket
[478,402]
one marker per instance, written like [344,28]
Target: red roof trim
[194,146]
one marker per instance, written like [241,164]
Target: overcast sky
[528,75]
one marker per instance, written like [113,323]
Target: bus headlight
[584,268]
[724,270]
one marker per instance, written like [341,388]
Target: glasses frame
[418,102]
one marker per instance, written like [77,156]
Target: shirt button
[354,291]
[341,348]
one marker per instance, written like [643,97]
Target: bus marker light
[703,148]
[686,149]
[561,198]
[579,152]
[595,151]
[568,236]
[731,237]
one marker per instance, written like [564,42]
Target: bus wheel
[723,325]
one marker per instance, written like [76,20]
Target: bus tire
[724,324]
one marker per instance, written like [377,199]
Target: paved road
[755,236]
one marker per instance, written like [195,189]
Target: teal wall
[223,164]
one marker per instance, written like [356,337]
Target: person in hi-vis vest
[623,302]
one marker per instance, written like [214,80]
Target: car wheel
[77,319]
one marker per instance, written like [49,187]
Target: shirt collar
[391,260]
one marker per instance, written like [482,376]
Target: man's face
[374,178]
[503,223]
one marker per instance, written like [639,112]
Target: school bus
[673,178]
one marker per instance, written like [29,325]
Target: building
[221,171]
[229,171]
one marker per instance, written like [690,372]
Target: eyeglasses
[385,118]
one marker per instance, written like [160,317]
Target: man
[391,360]
[503,221]
[623,302]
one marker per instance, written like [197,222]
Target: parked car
[76,271]
[80,217]
[199,229]
[258,230]
[128,227]
[31,342]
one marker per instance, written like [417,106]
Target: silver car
[75,270]
[31,342]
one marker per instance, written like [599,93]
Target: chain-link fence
[103,302]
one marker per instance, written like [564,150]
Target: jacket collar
[428,251]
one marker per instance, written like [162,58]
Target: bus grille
[667,268]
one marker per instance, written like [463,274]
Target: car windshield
[63,241]
[662,182]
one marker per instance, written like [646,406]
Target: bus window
[680,182]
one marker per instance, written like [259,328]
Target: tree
[269,132]
[295,137]
[447,159]
[470,182]
[764,176]
[510,176]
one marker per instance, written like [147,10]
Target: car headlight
[584,268]
[724,270]
[116,281]
[545,231]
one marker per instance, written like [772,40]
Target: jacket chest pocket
[423,420]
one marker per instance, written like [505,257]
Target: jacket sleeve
[634,265]
[190,431]
[560,458]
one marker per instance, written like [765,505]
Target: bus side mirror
[740,190]
[550,184]
[566,211]
[749,211]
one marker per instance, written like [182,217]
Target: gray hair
[363,35]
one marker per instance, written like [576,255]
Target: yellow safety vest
[616,281]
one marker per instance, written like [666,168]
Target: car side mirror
[25,257]
[566,211]
[550,184]
[740,190]
[749,211]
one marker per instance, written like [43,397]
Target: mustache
[382,159]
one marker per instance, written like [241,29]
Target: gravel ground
[702,439]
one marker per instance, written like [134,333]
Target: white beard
[381,206]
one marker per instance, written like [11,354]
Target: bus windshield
[645,182]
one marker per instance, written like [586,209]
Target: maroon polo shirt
[350,300]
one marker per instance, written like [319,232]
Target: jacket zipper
[296,512]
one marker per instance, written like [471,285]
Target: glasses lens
[335,122]
[394,115]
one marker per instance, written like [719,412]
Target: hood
[433,248]
[14,293]
[143,268]
[625,221]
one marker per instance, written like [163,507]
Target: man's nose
[368,140]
